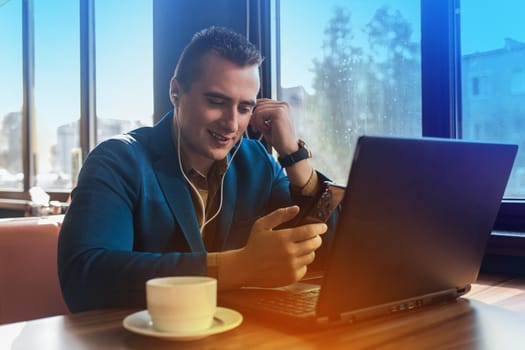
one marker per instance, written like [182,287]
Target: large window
[122,74]
[493,78]
[348,69]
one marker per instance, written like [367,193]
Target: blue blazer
[131,216]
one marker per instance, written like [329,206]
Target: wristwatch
[302,153]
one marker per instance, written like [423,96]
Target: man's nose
[231,120]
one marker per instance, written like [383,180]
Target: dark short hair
[217,40]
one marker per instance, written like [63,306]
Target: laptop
[414,222]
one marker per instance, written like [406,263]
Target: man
[190,196]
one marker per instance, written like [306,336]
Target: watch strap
[302,153]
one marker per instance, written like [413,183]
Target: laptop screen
[415,219]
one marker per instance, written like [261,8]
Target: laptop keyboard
[296,304]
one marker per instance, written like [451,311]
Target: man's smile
[219,137]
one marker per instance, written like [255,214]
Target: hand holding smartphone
[321,208]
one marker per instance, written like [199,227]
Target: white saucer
[224,320]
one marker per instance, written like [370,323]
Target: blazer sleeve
[106,248]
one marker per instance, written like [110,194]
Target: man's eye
[246,110]
[216,101]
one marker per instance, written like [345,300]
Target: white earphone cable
[204,222]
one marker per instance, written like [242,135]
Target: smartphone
[321,208]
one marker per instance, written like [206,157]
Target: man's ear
[174,92]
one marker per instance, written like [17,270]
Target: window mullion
[28,109]
[87,77]
[440,69]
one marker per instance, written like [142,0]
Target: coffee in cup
[182,303]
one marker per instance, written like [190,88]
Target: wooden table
[491,316]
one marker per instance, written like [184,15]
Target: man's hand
[273,119]
[271,257]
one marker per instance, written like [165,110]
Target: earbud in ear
[175,96]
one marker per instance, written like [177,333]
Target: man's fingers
[307,246]
[277,217]
[305,232]
[304,260]
[299,273]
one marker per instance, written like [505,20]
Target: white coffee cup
[181,304]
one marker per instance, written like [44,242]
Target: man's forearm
[299,173]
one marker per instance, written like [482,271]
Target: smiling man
[191,195]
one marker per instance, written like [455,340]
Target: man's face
[216,110]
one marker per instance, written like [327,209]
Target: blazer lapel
[172,183]
[179,200]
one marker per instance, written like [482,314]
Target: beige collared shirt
[209,188]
